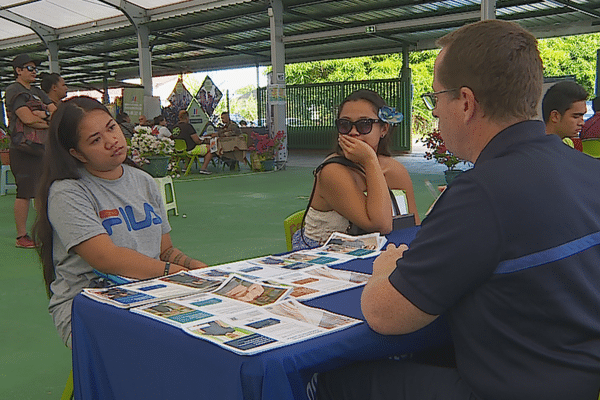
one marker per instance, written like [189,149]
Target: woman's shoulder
[67,187]
[395,173]
[338,162]
[391,164]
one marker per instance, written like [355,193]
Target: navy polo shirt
[510,253]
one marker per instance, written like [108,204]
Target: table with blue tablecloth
[121,355]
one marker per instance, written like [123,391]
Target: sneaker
[204,172]
[25,242]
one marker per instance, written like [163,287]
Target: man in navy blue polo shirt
[510,252]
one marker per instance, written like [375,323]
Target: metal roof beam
[444,19]
[576,7]
[194,43]
[340,26]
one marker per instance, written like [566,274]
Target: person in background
[160,128]
[26,166]
[228,128]
[82,233]
[591,128]
[142,122]
[125,123]
[563,108]
[54,85]
[194,145]
[509,253]
[344,195]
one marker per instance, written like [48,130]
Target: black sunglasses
[31,69]
[363,126]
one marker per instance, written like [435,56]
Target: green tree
[572,55]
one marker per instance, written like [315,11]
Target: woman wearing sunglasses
[345,195]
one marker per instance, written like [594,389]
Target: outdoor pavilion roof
[97,43]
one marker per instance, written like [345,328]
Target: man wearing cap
[25,166]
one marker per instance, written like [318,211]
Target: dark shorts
[27,170]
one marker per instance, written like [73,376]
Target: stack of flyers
[143,292]
[357,246]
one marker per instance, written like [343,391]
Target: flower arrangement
[4,142]
[144,144]
[438,151]
[4,146]
[264,147]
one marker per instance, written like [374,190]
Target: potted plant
[438,151]
[263,150]
[151,153]
[4,145]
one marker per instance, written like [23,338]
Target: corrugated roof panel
[64,13]
[10,30]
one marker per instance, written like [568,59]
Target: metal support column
[488,9]
[138,17]
[597,72]
[278,104]
[145,58]
[53,56]
[405,103]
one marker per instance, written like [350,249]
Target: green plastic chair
[291,224]
[591,147]
[182,154]
[68,392]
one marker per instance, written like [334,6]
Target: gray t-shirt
[129,209]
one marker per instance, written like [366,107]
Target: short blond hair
[500,62]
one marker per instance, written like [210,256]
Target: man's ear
[555,117]
[77,155]
[468,102]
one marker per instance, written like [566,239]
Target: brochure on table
[252,305]
[243,327]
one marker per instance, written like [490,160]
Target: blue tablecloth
[121,355]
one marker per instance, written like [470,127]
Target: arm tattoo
[187,262]
[166,255]
[177,258]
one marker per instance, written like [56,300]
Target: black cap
[23,59]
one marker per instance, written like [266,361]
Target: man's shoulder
[13,89]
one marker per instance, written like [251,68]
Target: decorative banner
[180,99]
[133,103]
[198,117]
[209,96]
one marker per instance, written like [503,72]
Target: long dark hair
[59,164]
[375,99]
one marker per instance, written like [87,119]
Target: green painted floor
[229,216]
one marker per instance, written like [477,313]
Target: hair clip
[390,115]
